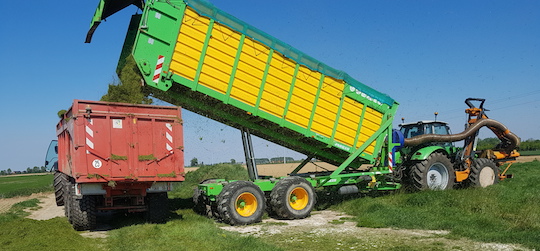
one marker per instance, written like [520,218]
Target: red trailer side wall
[103,142]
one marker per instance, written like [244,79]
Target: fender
[423,153]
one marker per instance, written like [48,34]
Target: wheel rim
[437,177]
[246,204]
[486,177]
[298,198]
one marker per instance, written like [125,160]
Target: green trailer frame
[211,63]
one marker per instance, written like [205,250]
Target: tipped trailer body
[116,156]
[211,63]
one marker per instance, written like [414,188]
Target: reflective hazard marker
[159,66]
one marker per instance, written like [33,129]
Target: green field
[508,212]
[529,153]
[11,186]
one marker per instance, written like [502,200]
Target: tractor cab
[410,130]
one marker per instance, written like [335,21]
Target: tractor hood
[105,9]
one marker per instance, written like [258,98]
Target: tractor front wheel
[484,173]
[241,203]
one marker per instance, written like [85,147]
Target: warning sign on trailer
[117,123]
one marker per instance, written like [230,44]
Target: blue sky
[428,55]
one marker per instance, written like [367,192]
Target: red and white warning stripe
[390,162]
[159,66]
[89,134]
[168,135]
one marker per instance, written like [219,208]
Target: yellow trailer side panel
[218,69]
[219,58]
[189,45]
[278,84]
[327,107]
[303,96]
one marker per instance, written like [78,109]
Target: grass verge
[187,232]
[19,233]
[505,213]
[13,186]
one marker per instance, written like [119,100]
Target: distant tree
[233,161]
[194,162]
[3,172]
[530,145]
[43,169]
[487,143]
[9,171]
[128,88]
[29,170]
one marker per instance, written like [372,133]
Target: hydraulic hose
[509,141]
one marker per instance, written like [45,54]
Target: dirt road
[6,204]
[47,210]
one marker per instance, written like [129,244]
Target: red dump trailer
[116,156]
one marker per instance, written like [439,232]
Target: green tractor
[428,166]
[430,161]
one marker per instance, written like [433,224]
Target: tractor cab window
[51,159]
[412,130]
[440,129]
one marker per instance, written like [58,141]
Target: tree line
[527,145]
[35,169]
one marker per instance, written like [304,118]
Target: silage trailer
[197,56]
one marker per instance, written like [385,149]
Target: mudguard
[424,153]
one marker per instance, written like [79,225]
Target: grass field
[11,186]
[508,212]
[529,153]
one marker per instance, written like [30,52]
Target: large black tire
[292,198]
[201,204]
[69,190]
[484,173]
[82,212]
[434,173]
[158,207]
[241,203]
[60,183]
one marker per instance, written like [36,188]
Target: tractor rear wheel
[484,173]
[292,198]
[434,173]
[241,203]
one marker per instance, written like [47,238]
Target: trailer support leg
[248,153]
[307,160]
